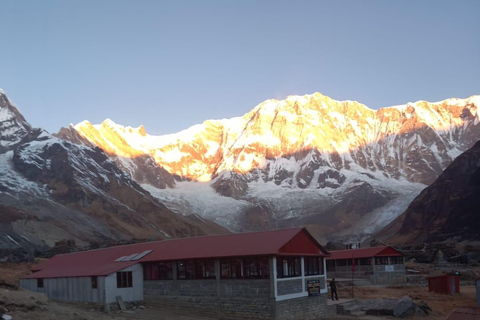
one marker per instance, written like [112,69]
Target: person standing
[333,289]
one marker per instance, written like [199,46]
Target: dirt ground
[29,305]
[24,304]
[441,304]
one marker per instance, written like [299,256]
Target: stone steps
[358,313]
[347,308]
[350,308]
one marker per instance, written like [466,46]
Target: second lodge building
[277,274]
[378,265]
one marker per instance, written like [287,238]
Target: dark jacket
[333,285]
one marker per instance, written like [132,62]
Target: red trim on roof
[101,262]
[364,253]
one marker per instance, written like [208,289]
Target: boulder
[399,308]
[404,307]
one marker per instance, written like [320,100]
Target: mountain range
[52,191]
[338,167]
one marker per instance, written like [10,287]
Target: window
[124,279]
[381,261]
[313,266]
[165,271]
[158,270]
[185,269]
[231,268]
[94,283]
[330,265]
[205,269]
[256,268]
[288,267]
[342,262]
[396,260]
[248,268]
[363,262]
[150,271]
[39,283]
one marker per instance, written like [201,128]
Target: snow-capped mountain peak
[276,129]
[13,126]
[308,144]
[52,190]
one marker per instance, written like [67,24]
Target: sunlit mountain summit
[303,160]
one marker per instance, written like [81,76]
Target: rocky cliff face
[448,208]
[13,126]
[304,160]
[52,190]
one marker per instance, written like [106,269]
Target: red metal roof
[102,261]
[364,253]
[471,313]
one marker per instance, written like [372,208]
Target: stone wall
[306,308]
[245,288]
[221,307]
[239,300]
[156,288]
[289,286]
[248,288]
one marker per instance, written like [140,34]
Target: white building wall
[68,289]
[135,293]
[80,288]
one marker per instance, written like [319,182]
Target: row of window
[292,267]
[250,268]
[247,268]
[384,260]
[363,262]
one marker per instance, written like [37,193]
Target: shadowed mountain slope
[448,208]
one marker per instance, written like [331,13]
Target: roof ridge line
[178,239]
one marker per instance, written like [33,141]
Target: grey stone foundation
[237,299]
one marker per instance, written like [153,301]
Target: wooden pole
[353,270]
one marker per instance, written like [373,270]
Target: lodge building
[377,265]
[277,274]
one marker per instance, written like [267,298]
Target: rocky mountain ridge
[337,166]
[52,191]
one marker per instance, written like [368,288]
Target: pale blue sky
[172,64]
